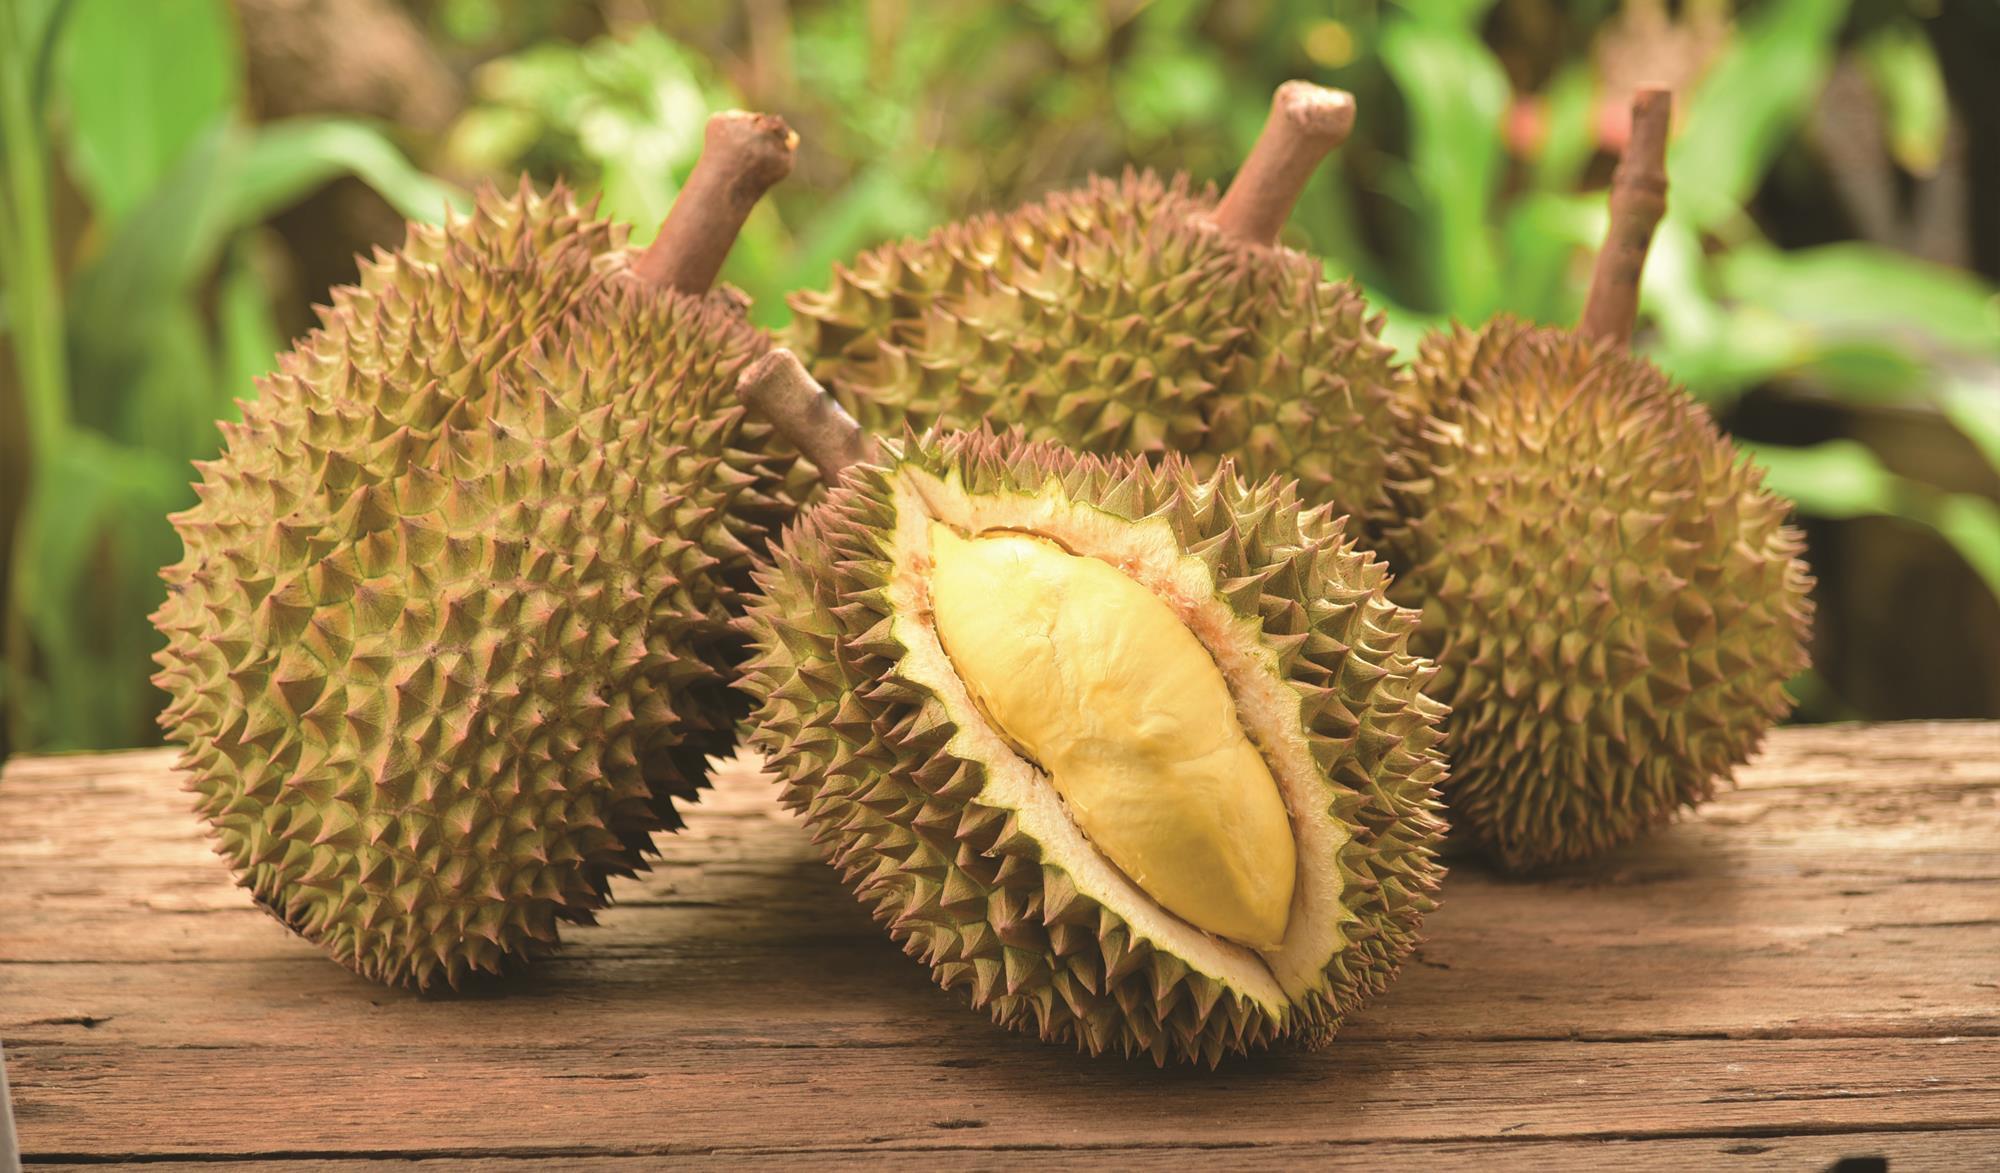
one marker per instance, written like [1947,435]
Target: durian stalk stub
[1096,680]
[1306,123]
[1638,201]
[742,155]
[778,388]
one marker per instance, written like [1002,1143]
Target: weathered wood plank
[1888,983]
[698,1091]
[1817,954]
[1908,1152]
[1763,916]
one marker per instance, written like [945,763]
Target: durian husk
[1614,600]
[451,634]
[1115,318]
[869,754]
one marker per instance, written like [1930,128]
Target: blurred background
[185,179]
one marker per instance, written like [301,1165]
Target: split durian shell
[1614,600]
[451,634]
[1001,895]
[1115,318]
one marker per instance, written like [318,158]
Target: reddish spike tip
[742,155]
[1638,200]
[1307,122]
[778,388]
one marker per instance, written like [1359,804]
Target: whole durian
[1614,600]
[1132,756]
[1137,315]
[451,633]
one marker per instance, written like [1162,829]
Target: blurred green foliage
[125,360]
[135,229]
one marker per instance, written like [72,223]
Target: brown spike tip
[778,388]
[1307,122]
[1638,201]
[742,156]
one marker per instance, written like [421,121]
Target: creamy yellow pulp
[1097,681]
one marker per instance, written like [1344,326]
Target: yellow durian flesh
[1097,681]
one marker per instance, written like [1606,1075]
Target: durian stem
[806,414]
[1638,200]
[742,155]
[1307,122]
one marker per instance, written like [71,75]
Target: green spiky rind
[1614,599]
[451,631]
[860,751]
[1115,319]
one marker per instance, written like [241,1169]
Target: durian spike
[1307,122]
[778,388]
[742,155]
[1638,200]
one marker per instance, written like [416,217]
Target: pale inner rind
[1267,707]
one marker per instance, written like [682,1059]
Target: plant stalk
[742,155]
[806,414]
[1638,201]
[1306,123]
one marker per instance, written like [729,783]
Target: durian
[1137,315]
[451,634]
[1133,757]
[1614,599]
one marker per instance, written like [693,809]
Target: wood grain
[1807,969]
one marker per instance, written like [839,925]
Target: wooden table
[1808,969]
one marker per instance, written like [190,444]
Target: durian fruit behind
[1614,599]
[1133,757]
[450,637]
[1137,315]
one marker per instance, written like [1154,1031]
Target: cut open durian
[988,674]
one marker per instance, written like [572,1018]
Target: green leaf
[491,139]
[1837,479]
[94,540]
[1402,328]
[247,340]
[34,404]
[1455,15]
[878,205]
[280,163]
[231,178]
[146,273]
[141,82]
[1079,30]
[623,113]
[1749,107]
[1972,525]
[1863,291]
[1569,129]
[1457,95]
[1160,92]
[1844,479]
[42,25]
[169,406]
[1904,67]
[1864,370]
[1972,403]
[1863,322]
[1548,238]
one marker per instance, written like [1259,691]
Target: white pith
[1268,709]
